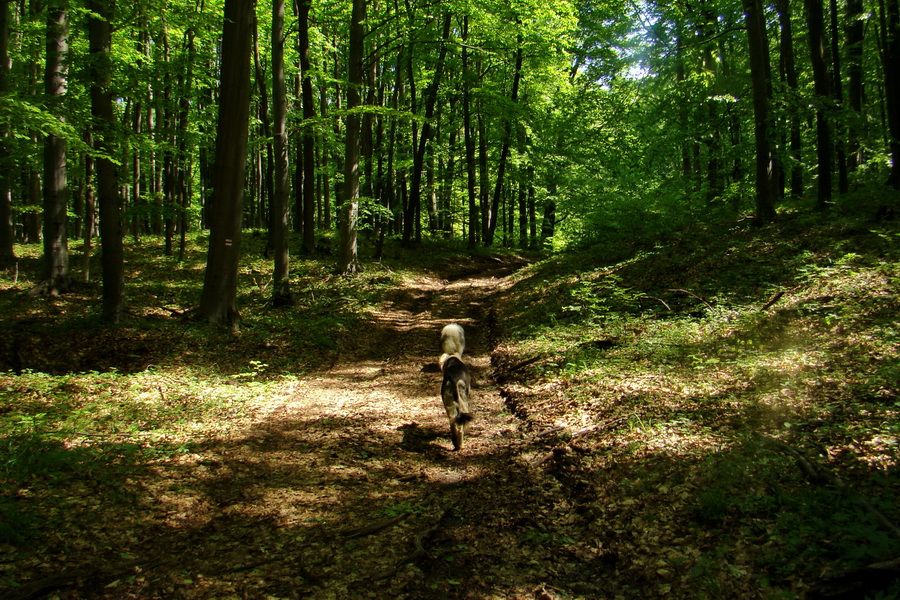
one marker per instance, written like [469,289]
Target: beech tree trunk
[759,74]
[281,291]
[892,85]
[218,300]
[112,254]
[469,140]
[413,207]
[7,255]
[504,151]
[854,36]
[56,200]
[790,74]
[307,140]
[815,20]
[348,260]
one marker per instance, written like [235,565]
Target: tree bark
[815,20]
[218,300]
[281,291]
[838,87]
[759,74]
[790,74]
[469,140]
[415,187]
[56,195]
[855,35]
[504,151]
[302,8]
[892,85]
[112,257]
[348,260]
[7,254]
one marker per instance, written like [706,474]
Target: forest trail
[347,486]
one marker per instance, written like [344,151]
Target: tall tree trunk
[815,19]
[759,74]
[469,139]
[218,300]
[112,254]
[415,191]
[348,261]
[838,86]
[308,138]
[90,209]
[855,34]
[790,73]
[56,245]
[504,151]
[184,161]
[7,255]
[281,291]
[891,58]
[169,161]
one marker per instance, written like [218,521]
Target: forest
[232,231]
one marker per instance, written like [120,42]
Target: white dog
[456,388]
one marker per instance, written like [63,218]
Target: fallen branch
[772,301]
[358,532]
[690,293]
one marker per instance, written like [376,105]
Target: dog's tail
[463,418]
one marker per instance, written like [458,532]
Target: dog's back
[456,392]
[453,340]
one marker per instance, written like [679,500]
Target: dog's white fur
[453,342]
[456,388]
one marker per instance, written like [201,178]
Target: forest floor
[717,416]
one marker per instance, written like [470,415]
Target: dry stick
[690,293]
[818,475]
[373,528]
[660,300]
[772,301]
[419,544]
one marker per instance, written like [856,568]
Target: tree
[100,37]
[307,167]
[815,20]
[218,302]
[759,74]
[415,187]
[348,261]
[891,58]
[281,291]
[7,255]
[56,247]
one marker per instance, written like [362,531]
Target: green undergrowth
[714,367]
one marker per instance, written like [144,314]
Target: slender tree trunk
[816,23]
[281,291]
[891,58]
[415,191]
[307,141]
[7,254]
[838,86]
[504,151]
[855,34]
[790,72]
[218,300]
[113,263]
[56,245]
[348,261]
[469,139]
[184,161]
[169,161]
[759,74]
[90,209]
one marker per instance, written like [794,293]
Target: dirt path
[348,487]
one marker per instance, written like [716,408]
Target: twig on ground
[690,293]
[358,532]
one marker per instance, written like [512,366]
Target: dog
[456,387]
